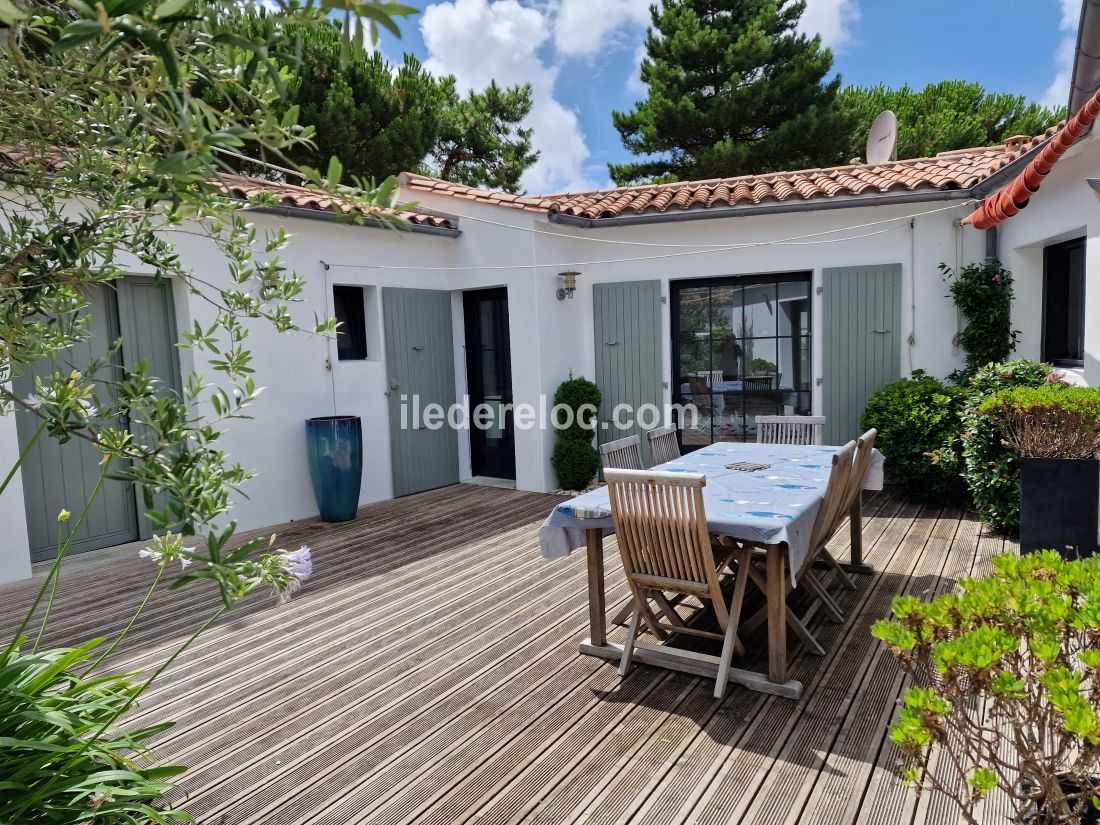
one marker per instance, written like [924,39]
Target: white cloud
[1058,91]
[634,83]
[482,40]
[582,27]
[834,20]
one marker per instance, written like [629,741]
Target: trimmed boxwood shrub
[992,469]
[916,418]
[1052,421]
[575,460]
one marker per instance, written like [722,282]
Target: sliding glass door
[741,348]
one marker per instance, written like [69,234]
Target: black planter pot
[1059,505]
[1084,807]
[335,446]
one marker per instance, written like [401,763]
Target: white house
[797,291]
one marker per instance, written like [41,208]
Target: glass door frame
[678,285]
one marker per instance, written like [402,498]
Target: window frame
[351,335]
[677,285]
[1048,252]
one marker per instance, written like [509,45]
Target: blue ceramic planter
[335,445]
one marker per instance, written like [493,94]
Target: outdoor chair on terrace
[663,445]
[865,447]
[623,454]
[789,429]
[828,518]
[662,536]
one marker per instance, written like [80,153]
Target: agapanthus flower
[299,566]
[33,401]
[168,548]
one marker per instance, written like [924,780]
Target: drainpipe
[991,244]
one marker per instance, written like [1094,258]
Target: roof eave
[1086,67]
[769,208]
[338,217]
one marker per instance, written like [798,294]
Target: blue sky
[582,55]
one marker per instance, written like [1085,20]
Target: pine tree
[951,114]
[733,89]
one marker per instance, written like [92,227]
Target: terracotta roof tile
[956,169]
[302,197]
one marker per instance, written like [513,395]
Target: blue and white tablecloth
[769,506]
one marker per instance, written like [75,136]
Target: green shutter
[627,319]
[862,342]
[420,362]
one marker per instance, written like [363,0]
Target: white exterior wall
[1064,208]
[549,338]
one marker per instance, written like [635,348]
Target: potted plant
[1056,431]
[1007,692]
[575,460]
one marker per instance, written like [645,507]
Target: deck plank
[429,674]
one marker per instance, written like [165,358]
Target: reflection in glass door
[741,349]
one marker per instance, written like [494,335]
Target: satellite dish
[882,141]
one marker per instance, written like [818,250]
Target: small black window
[351,336]
[1064,303]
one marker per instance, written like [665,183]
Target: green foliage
[108,156]
[48,708]
[951,114]
[381,119]
[1014,653]
[916,418]
[582,398]
[1055,420]
[983,293]
[733,89]
[760,365]
[575,460]
[481,142]
[992,469]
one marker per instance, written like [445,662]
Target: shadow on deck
[429,673]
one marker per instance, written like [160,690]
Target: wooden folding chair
[663,445]
[825,524]
[662,535]
[789,429]
[865,446]
[623,454]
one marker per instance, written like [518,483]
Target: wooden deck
[429,673]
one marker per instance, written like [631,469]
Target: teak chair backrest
[832,508]
[663,445]
[662,534]
[622,454]
[865,446]
[789,429]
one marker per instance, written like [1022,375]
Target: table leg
[855,517]
[855,524]
[777,613]
[597,611]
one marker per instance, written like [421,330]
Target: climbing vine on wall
[983,293]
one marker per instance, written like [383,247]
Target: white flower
[33,401]
[88,408]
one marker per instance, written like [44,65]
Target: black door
[489,375]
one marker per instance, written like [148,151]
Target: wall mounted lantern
[569,281]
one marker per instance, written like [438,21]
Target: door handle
[417,347]
[881,331]
[611,343]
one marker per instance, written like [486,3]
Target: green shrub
[916,418]
[575,462]
[992,469]
[983,293]
[1017,656]
[63,749]
[583,398]
[760,365]
[1053,421]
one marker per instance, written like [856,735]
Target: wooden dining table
[773,507]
